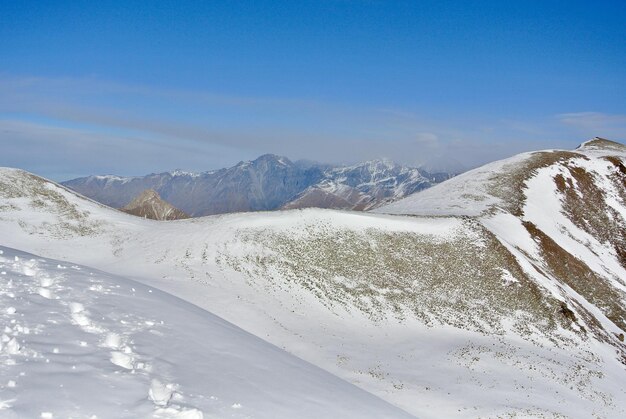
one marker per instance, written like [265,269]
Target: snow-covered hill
[77,342]
[508,309]
[562,213]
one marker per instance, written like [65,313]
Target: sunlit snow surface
[76,342]
[341,290]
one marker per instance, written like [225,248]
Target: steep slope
[267,183]
[562,214]
[81,343]
[455,316]
[150,205]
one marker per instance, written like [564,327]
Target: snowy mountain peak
[108,177]
[149,195]
[598,143]
[266,160]
[382,163]
[272,159]
[501,183]
[180,172]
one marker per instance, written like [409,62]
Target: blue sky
[135,87]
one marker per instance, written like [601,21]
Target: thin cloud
[138,129]
[596,123]
[62,153]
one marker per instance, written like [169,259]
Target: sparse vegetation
[585,203]
[44,197]
[509,184]
[455,281]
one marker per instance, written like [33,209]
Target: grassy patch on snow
[457,281]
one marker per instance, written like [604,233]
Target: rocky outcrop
[150,205]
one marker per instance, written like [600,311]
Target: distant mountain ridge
[364,186]
[267,183]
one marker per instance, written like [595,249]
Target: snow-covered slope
[150,205]
[76,342]
[496,184]
[454,316]
[562,213]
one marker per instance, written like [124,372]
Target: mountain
[267,183]
[150,205]
[497,293]
[561,212]
[363,186]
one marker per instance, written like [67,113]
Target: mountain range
[500,292]
[270,182]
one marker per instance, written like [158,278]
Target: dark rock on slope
[150,205]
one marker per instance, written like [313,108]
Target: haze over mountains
[498,293]
[270,182]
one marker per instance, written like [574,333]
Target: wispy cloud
[63,127]
[596,124]
[63,153]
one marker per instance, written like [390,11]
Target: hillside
[562,212]
[506,298]
[81,343]
[150,205]
[270,182]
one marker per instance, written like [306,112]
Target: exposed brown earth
[150,205]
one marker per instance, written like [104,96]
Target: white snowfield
[453,311]
[76,342]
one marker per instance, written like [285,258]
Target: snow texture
[138,352]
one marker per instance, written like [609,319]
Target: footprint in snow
[46,293]
[112,340]
[46,281]
[76,308]
[122,359]
[12,347]
[80,318]
[28,268]
[175,412]
[159,393]
[162,394]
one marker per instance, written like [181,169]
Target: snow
[162,343]
[183,173]
[109,177]
[469,194]
[463,195]
[173,360]
[544,209]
